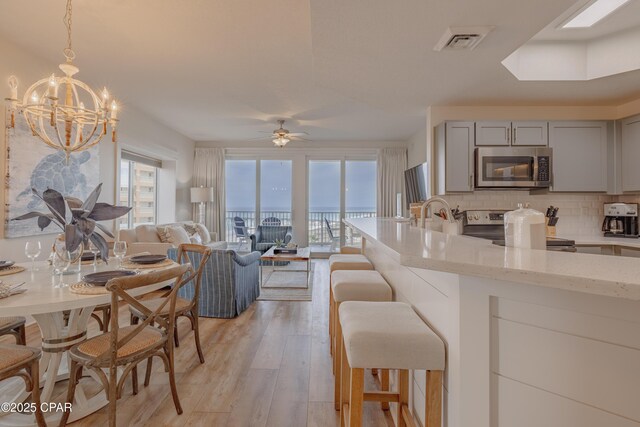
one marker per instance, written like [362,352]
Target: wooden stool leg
[337,366]
[384,386]
[331,319]
[337,332]
[403,401]
[356,397]
[433,393]
[345,382]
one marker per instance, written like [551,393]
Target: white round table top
[46,295]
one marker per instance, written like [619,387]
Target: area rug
[286,285]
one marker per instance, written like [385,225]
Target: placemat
[85,288]
[133,266]
[11,270]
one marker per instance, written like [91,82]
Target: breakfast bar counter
[533,337]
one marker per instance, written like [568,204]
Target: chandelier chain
[67,20]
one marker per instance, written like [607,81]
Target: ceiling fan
[281,136]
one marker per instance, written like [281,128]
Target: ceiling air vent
[462,38]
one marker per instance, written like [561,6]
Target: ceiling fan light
[281,141]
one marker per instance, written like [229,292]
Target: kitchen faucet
[425,207]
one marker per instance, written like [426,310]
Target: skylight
[594,13]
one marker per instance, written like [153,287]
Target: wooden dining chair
[14,326]
[184,307]
[102,314]
[21,361]
[125,347]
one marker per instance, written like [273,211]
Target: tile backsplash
[581,214]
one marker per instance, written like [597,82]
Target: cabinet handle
[471,181]
[514,136]
[506,131]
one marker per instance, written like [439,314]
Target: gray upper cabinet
[530,133]
[503,133]
[579,155]
[493,133]
[454,157]
[630,149]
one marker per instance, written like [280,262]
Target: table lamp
[201,195]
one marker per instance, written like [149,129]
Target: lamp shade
[201,194]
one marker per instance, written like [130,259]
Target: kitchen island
[534,338]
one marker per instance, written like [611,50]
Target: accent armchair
[266,236]
[230,282]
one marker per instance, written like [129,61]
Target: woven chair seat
[11,322]
[152,304]
[149,337]
[11,355]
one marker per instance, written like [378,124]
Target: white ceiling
[340,70]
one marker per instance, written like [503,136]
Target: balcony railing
[318,233]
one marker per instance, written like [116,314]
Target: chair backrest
[272,220]
[328,226]
[269,233]
[238,221]
[120,288]
[240,231]
[184,252]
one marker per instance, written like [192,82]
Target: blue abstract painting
[33,164]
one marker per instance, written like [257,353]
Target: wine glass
[120,250]
[32,251]
[92,249]
[60,262]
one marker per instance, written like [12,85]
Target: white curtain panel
[392,162]
[208,171]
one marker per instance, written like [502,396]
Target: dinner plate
[147,259]
[89,257]
[101,278]
[6,264]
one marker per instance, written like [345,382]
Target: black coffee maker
[620,220]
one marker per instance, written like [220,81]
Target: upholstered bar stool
[356,285]
[344,262]
[388,335]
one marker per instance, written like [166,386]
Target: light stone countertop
[596,274]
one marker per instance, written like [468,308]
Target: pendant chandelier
[64,112]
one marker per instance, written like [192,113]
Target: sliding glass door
[360,193]
[240,190]
[257,192]
[325,181]
[338,189]
[275,192]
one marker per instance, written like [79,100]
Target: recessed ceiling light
[597,11]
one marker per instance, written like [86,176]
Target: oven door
[510,167]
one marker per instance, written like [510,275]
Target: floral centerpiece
[78,220]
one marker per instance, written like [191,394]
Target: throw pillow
[163,234]
[196,239]
[191,229]
[203,232]
[174,235]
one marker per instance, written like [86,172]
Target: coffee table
[302,255]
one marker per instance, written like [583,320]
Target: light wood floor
[268,367]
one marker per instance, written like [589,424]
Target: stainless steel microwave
[509,167]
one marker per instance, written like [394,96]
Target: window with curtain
[138,189]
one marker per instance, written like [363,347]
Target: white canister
[525,228]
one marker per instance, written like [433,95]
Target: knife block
[551,229]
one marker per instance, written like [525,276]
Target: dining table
[62,316]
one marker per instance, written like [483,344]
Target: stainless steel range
[489,224]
